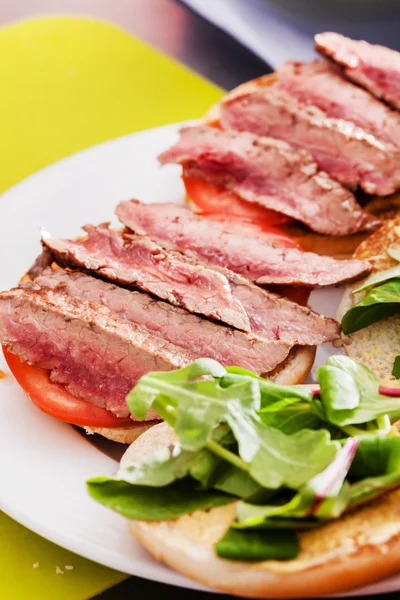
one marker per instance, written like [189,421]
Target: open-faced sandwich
[96,313]
[262,490]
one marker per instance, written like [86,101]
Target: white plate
[44,464]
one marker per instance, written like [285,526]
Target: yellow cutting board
[68,83]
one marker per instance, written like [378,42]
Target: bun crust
[122,435]
[359,549]
[378,344]
[295,367]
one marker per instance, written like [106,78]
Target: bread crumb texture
[378,344]
[373,526]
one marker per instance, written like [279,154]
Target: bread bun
[295,368]
[310,241]
[122,435]
[359,549]
[378,344]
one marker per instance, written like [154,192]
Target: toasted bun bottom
[377,345]
[310,241]
[359,549]
[295,367]
[122,435]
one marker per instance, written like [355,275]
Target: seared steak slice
[271,173]
[346,152]
[200,336]
[175,227]
[375,68]
[90,350]
[270,316]
[139,262]
[322,84]
[274,317]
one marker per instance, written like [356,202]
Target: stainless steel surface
[166,24]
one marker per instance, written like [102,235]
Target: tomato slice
[210,198]
[249,227]
[55,400]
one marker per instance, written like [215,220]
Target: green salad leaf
[292,418]
[376,456]
[266,447]
[152,504]
[379,277]
[372,488]
[396,367]
[194,408]
[252,545]
[350,393]
[379,303]
[325,496]
[271,393]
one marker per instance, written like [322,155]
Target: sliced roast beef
[177,228]
[376,68]
[346,152]
[142,263]
[274,317]
[271,173]
[200,336]
[270,316]
[90,350]
[321,83]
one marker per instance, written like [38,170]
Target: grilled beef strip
[375,68]
[201,337]
[94,353]
[344,151]
[321,83]
[270,316]
[177,228]
[139,262]
[268,172]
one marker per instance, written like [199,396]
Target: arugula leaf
[396,367]
[376,456]
[373,488]
[196,408]
[292,418]
[379,277]
[350,393]
[271,393]
[148,503]
[258,545]
[233,481]
[380,302]
[325,496]
[203,405]
[143,395]
[159,469]
[276,459]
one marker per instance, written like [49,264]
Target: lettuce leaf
[350,393]
[379,303]
[148,503]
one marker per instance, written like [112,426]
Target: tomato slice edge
[211,198]
[54,400]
